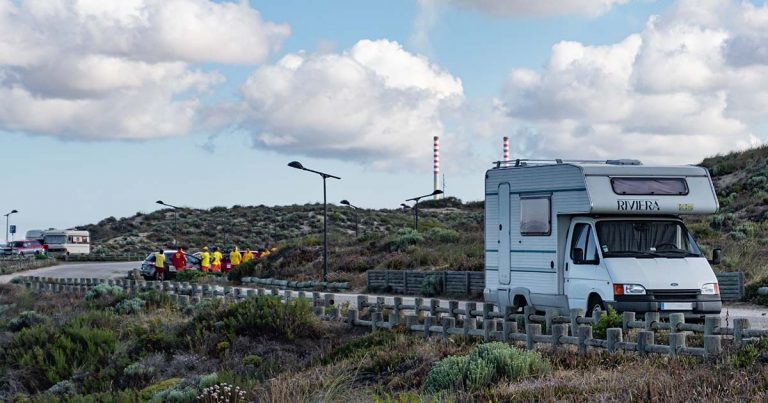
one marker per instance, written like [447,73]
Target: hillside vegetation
[450,235]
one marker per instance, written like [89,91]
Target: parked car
[148,265]
[22,248]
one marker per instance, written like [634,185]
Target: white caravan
[589,234]
[67,242]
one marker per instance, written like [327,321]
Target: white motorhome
[589,234]
[67,241]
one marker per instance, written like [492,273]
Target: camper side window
[535,216]
[583,248]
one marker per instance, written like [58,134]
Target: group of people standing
[209,261]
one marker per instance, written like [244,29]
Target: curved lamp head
[14,211]
[295,164]
[403,205]
[345,202]
[159,202]
[437,192]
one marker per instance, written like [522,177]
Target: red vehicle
[21,248]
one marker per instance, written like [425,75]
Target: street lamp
[357,216]
[175,218]
[297,165]
[416,205]
[6,227]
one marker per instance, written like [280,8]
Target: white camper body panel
[532,266]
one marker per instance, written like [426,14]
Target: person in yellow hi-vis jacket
[248,255]
[205,260]
[235,257]
[217,258]
[160,265]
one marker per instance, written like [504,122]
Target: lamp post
[175,218]
[297,165]
[6,227]
[415,201]
[357,216]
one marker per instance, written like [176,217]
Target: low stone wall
[432,318]
[10,266]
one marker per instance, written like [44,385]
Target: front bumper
[701,304]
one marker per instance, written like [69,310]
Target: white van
[67,242]
[589,234]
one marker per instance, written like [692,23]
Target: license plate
[676,306]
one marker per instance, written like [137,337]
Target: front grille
[674,295]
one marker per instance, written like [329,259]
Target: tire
[595,304]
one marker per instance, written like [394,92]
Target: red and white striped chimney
[506,148]
[437,164]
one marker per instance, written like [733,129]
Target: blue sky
[232,150]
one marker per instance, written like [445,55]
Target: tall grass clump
[487,364]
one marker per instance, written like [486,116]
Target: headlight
[710,289]
[628,289]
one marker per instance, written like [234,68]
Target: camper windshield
[645,238]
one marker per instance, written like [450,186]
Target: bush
[609,320]
[488,363]
[138,374]
[443,235]
[190,275]
[63,389]
[268,315]
[26,319]
[405,238]
[130,306]
[103,290]
[248,269]
[748,355]
[432,285]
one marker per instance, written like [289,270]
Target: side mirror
[716,255]
[578,255]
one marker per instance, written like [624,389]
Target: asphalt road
[757,315]
[92,270]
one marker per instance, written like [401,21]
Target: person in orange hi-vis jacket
[217,258]
[205,260]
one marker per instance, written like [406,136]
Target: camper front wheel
[595,304]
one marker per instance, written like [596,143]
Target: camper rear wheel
[519,303]
[595,304]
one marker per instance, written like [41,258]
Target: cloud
[538,8]
[689,85]
[374,103]
[129,69]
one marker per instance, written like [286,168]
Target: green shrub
[26,319]
[103,290]
[63,389]
[432,285]
[130,306]
[190,275]
[405,237]
[41,256]
[748,355]
[253,360]
[268,315]
[610,319]
[138,374]
[443,235]
[152,390]
[248,269]
[487,364]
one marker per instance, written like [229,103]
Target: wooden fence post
[627,317]
[453,306]
[644,339]
[558,331]
[352,317]
[411,321]
[651,318]
[376,319]
[711,325]
[585,333]
[675,320]
[433,305]
[613,335]
[575,315]
[712,345]
[398,301]
[739,326]
[362,301]
[470,323]
[527,312]
[487,327]
[531,331]
[428,321]
[676,343]
[448,324]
